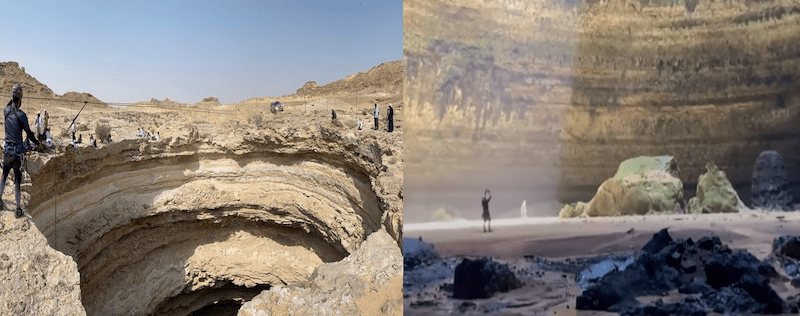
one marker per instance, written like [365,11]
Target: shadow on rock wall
[702,83]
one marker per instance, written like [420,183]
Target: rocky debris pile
[36,279]
[482,278]
[352,286]
[595,268]
[422,265]
[715,194]
[641,185]
[786,249]
[722,281]
[417,253]
[770,184]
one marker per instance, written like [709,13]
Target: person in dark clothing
[13,154]
[487,196]
[390,117]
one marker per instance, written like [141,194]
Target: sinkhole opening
[177,264]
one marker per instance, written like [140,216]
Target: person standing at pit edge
[487,196]
[45,121]
[376,116]
[16,121]
[390,118]
[38,125]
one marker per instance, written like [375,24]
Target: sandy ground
[523,243]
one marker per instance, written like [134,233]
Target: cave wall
[578,87]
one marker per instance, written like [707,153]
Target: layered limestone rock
[577,87]
[771,182]
[715,194]
[356,285]
[641,186]
[36,280]
[169,227]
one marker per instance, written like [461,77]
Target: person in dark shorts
[13,154]
[487,196]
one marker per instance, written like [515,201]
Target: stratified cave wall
[558,93]
[716,85]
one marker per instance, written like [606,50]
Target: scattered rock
[786,249]
[641,185]
[572,210]
[715,194]
[340,288]
[482,278]
[727,281]
[770,184]
[417,253]
[660,240]
[787,246]
[465,306]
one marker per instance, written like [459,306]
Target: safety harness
[14,152]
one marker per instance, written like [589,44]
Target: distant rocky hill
[11,73]
[386,77]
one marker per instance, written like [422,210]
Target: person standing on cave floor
[487,196]
[376,116]
[15,122]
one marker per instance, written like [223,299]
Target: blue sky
[188,50]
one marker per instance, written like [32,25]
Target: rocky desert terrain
[232,207]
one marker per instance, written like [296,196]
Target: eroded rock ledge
[36,280]
[173,226]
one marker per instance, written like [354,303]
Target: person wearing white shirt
[376,116]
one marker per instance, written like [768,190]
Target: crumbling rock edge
[361,284]
[37,280]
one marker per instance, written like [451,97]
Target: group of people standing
[42,126]
[389,117]
[141,132]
